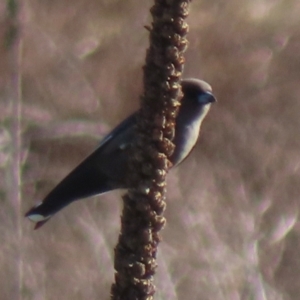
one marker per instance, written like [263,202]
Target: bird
[105,169]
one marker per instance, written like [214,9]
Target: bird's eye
[205,98]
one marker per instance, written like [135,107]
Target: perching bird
[107,167]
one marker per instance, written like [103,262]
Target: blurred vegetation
[236,234]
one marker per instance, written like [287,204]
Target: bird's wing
[101,171]
[119,129]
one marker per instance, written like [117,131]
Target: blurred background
[233,228]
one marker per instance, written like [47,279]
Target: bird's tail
[84,181]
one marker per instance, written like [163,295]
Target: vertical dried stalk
[142,219]
[13,45]
[10,38]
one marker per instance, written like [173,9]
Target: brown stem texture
[142,217]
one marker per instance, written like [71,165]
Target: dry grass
[233,230]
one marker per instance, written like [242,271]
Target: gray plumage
[106,168]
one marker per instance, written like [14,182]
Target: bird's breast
[186,135]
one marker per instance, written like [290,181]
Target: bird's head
[196,101]
[199,91]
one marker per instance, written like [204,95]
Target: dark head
[195,104]
[198,90]
[196,101]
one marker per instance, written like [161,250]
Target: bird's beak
[212,97]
